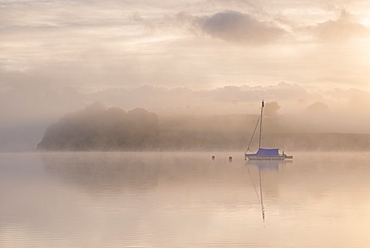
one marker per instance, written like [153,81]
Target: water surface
[174,199]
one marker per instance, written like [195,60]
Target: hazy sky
[58,55]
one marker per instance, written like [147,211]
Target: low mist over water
[172,199]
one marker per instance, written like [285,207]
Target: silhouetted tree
[271,109]
[318,108]
[96,127]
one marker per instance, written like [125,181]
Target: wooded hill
[113,129]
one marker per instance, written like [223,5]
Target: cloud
[342,29]
[22,101]
[25,103]
[231,26]
[239,27]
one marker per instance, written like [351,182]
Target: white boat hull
[257,157]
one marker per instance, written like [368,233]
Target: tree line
[100,128]
[113,129]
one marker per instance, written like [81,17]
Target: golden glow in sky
[59,55]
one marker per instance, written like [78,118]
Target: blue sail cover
[268,152]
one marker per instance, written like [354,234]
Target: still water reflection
[183,200]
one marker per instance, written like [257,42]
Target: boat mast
[259,143]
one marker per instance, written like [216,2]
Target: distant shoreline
[287,141]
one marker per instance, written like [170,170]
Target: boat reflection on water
[263,165]
[266,164]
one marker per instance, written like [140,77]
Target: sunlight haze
[199,57]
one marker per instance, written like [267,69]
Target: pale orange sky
[215,56]
[197,44]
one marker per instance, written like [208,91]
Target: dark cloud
[239,27]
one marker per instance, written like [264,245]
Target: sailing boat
[263,153]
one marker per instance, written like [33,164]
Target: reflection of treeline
[99,128]
[97,172]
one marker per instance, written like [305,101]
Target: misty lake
[174,199]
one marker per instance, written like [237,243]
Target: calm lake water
[183,200]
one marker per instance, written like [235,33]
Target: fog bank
[300,109]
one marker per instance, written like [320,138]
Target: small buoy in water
[230,158]
[213,157]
